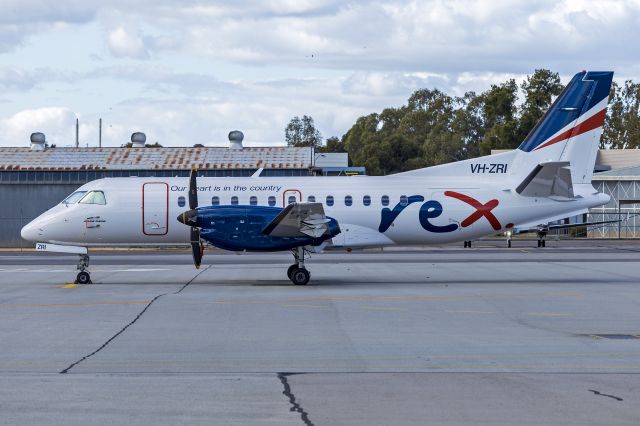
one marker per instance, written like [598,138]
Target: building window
[385,200]
[181,201]
[253,200]
[272,200]
[404,200]
[311,199]
[329,200]
[234,201]
[348,200]
[215,201]
[366,200]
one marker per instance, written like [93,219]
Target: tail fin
[571,128]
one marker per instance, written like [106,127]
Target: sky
[188,71]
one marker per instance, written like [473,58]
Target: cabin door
[155,208]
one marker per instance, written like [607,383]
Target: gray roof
[204,158]
[625,173]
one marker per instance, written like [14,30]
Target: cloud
[125,43]
[56,122]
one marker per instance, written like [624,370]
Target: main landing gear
[467,244]
[297,273]
[541,242]
[83,276]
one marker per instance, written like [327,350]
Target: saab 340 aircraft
[547,177]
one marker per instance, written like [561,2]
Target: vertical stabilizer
[571,128]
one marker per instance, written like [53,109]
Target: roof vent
[235,139]
[38,141]
[138,139]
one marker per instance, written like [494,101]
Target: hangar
[34,178]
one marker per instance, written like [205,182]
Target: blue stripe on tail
[585,90]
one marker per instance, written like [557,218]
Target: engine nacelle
[239,228]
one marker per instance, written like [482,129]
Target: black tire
[469,244]
[509,243]
[290,270]
[83,278]
[300,276]
[539,243]
[544,243]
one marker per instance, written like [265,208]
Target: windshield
[94,197]
[74,198]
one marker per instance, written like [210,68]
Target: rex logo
[432,209]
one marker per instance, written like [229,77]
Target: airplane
[542,230]
[548,175]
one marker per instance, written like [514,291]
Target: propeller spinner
[190,218]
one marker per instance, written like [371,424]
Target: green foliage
[622,127]
[435,128]
[302,132]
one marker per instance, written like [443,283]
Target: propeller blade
[193,189]
[196,249]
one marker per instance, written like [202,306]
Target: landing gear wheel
[544,243]
[509,243]
[539,243]
[467,244]
[83,278]
[291,269]
[299,276]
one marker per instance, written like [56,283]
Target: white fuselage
[144,211]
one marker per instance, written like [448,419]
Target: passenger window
[292,199]
[404,200]
[366,200]
[94,197]
[253,200]
[272,200]
[74,198]
[181,201]
[234,201]
[215,201]
[329,200]
[385,200]
[348,200]
[311,199]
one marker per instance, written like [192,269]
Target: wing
[299,220]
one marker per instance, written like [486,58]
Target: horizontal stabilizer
[299,219]
[549,179]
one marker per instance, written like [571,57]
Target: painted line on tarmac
[549,314]
[394,298]
[73,305]
[470,312]
[13,271]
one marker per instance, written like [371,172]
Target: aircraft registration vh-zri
[548,176]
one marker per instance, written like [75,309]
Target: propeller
[190,218]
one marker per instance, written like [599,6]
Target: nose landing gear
[83,276]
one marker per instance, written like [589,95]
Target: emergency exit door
[155,208]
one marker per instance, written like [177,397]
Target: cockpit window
[94,197]
[74,198]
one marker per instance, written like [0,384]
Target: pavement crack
[595,392]
[295,406]
[122,330]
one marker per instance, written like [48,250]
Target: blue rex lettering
[429,210]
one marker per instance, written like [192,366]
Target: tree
[622,127]
[332,144]
[539,89]
[302,132]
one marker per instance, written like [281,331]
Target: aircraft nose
[30,232]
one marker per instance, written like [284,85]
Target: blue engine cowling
[240,228]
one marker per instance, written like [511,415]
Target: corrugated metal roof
[205,158]
[625,173]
